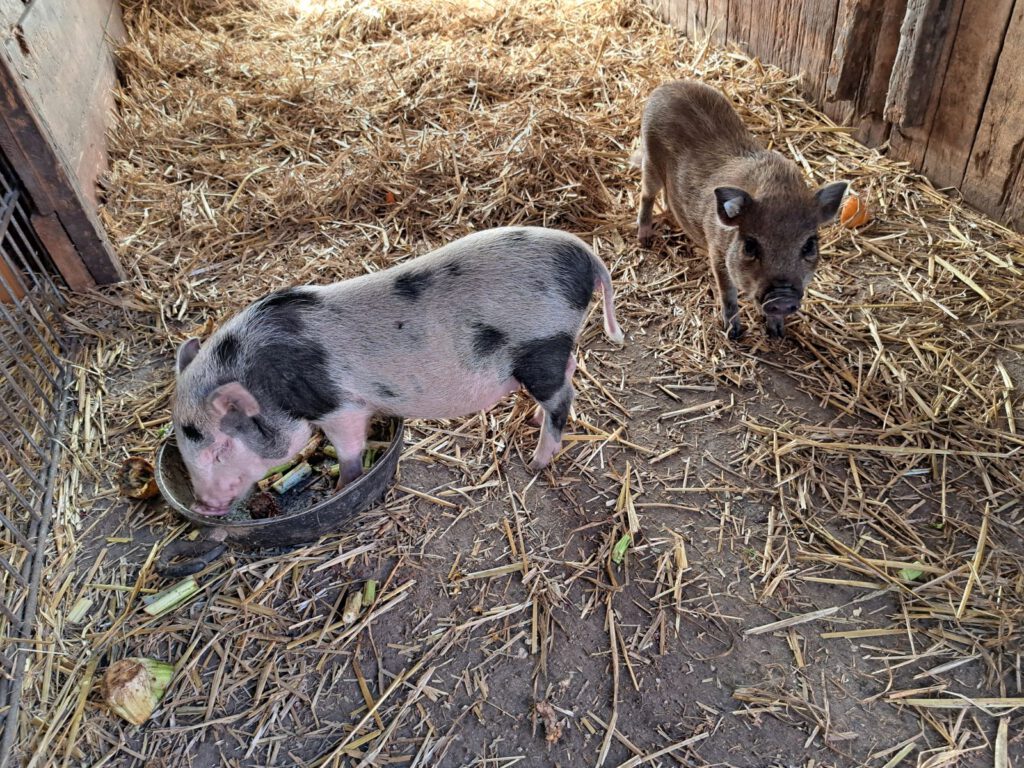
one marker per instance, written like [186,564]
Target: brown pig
[749,207]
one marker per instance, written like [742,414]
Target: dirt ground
[687,671]
[825,557]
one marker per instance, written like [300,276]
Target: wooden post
[922,40]
[857,27]
[29,148]
[55,82]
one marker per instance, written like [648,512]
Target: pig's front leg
[347,433]
[776,325]
[537,417]
[727,296]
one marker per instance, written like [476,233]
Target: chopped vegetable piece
[134,687]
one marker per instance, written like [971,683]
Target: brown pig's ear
[732,204]
[186,354]
[829,198]
[232,397]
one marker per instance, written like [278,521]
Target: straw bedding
[826,554]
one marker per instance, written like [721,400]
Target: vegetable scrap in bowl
[308,477]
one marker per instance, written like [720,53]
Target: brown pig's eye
[810,249]
[751,248]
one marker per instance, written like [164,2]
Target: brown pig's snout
[781,301]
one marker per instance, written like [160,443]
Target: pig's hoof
[776,328]
[542,457]
[348,471]
[736,331]
[645,234]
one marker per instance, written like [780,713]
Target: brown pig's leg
[650,186]
[726,295]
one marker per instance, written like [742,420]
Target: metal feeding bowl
[298,525]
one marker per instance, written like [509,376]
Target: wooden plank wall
[57,79]
[62,51]
[954,107]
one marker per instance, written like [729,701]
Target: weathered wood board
[10,12]
[994,180]
[62,53]
[972,62]
[56,92]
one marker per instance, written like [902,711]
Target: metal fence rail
[33,392]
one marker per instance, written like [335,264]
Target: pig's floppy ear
[186,354]
[732,204]
[829,198]
[232,397]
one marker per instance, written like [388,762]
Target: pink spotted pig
[444,335]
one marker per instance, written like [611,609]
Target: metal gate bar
[34,382]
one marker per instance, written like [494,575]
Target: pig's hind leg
[347,433]
[650,185]
[539,414]
[537,417]
[547,376]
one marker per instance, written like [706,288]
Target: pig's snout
[219,502]
[210,511]
[781,301]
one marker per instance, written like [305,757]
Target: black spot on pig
[573,273]
[410,285]
[400,325]
[260,436]
[289,297]
[453,268]
[539,365]
[560,413]
[227,350]
[283,310]
[516,237]
[192,433]
[270,435]
[487,339]
[384,390]
[294,377]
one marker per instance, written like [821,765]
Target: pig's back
[687,118]
[525,278]
[689,132]
[443,328]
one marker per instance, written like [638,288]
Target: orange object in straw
[854,213]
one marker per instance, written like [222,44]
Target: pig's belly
[458,394]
